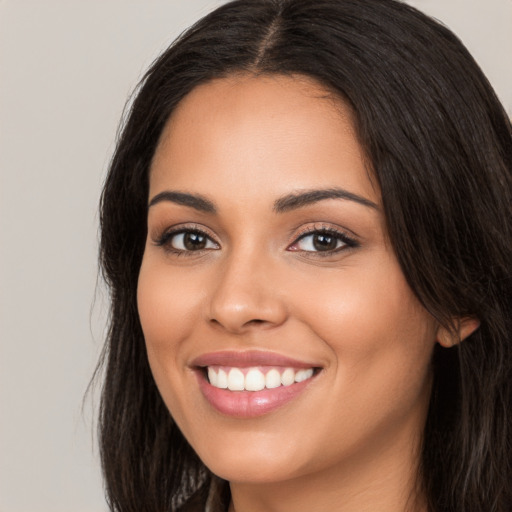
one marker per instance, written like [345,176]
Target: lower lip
[249,404]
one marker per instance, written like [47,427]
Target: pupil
[194,241]
[324,242]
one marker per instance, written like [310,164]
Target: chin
[253,471]
[253,463]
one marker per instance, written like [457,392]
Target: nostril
[250,323]
[255,322]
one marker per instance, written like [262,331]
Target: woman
[306,229]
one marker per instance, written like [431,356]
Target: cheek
[365,305]
[167,303]
[168,311]
[379,335]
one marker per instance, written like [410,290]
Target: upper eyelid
[324,227]
[183,228]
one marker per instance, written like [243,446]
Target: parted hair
[439,145]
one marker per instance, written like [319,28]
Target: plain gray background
[66,70]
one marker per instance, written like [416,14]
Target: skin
[350,441]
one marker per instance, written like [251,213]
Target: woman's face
[267,269]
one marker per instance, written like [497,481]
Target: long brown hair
[440,146]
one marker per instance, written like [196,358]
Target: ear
[460,330]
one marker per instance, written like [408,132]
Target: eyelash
[348,241]
[165,240]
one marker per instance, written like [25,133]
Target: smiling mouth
[256,378]
[248,384]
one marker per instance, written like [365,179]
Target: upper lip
[244,359]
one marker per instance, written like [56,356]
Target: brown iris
[324,242]
[194,241]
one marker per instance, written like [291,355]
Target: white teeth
[254,379]
[235,380]
[272,379]
[222,379]
[303,375]
[288,377]
[213,378]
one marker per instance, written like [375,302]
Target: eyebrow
[297,200]
[284,204]
[195,201]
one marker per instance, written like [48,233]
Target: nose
[246,296]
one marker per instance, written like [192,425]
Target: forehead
[275,132]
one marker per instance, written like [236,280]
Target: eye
[187,240]
[324,240]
